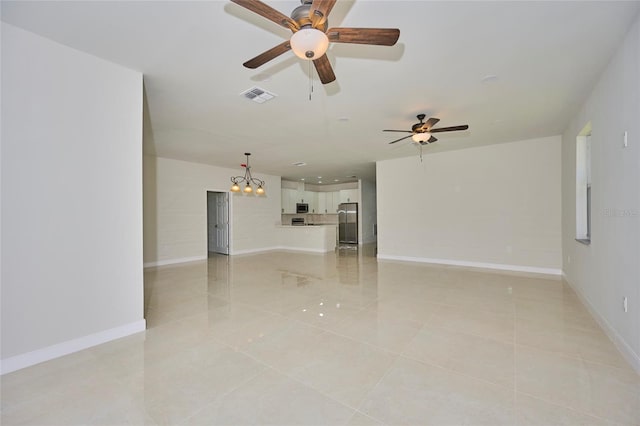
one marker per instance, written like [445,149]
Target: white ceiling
[546,56]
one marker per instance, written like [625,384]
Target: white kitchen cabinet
[289,199]
[333,200]
[322,202]
[310,198]
[319,202]
[328,202]
[336,201]
[349,196]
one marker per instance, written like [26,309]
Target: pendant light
[248,189]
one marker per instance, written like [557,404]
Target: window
[583,185]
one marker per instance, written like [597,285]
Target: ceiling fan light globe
[309,43]
[421,137]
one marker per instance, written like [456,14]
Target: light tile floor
[339,339]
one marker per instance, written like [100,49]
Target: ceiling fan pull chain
[310,81]
[421,153]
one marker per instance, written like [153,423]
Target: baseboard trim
[255,251]
[282,248]
[28,359]
[307,250]
[480,265]
[627,351]
[173,261]
[236,253]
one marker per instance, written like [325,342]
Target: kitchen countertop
[307,225]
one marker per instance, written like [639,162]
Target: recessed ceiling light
[343,118]
[336,180]
[319,181]
[300,164]
[319,177]
[302,179]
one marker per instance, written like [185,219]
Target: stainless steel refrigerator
[348,223]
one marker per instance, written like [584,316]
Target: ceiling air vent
[258,95]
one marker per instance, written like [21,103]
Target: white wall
[367,212]
[71,200]
[175,210]
[609,268]
[494,206]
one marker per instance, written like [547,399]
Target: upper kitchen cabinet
[310,198]
[349,196]
[289,200]
[321,199]
[328,202]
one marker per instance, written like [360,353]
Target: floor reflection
[339,338]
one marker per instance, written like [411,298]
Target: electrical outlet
[625,304]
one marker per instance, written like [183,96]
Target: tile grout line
[293,378]
[579,358]
[575,410]
[321,392]
[234,388]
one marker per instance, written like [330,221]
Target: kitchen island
[312,238]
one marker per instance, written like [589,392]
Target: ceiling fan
[310,39]
[422,132]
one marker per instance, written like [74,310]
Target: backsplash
[312,218]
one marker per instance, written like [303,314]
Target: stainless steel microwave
[302,208]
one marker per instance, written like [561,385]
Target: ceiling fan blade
[270,54]
[403,131]
[449,129]
[266,11]
[432,139]
[319,11]
[377,36]
[325,72]
[401,139]
[430,123]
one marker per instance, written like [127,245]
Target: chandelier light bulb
[248,189]
[309,43]
[260,190]
[235,188]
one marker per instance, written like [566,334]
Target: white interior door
[218,222]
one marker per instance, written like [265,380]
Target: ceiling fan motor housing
[301,15]
[417,128]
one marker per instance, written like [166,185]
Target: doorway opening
[218,222]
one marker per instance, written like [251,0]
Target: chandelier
[237,180]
